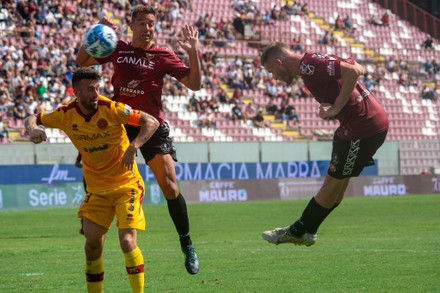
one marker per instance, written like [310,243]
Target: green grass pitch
[376,244]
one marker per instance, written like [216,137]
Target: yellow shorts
[125,203]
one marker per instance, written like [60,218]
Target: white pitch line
[32,274]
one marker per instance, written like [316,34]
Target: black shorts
[349,157]
[159,143]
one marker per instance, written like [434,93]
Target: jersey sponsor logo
[102,123]
[351,158]
[96,149]
[134,83]
[331,68]
[95,136]
[136,61]
[307,69]
[124,91]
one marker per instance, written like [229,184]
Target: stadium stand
[38,46]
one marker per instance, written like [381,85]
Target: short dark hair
[274,48]
[85,73]
[142,9]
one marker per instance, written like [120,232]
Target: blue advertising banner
[50,174]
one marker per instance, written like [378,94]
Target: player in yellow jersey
[95,126]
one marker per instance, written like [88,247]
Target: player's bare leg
[162,166]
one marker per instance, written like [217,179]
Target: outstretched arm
[190,43]
[36,134]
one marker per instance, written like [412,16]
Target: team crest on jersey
[127,109]
[165,147]
[75,127]
[102,124]
[149,56]
[307,69]
[133,84]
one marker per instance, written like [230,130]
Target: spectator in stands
[237,111]
[271,107]
[237,96]
[248,76]
[158,152]
[114,184]
[339,23]
[429,93]
[193,103]
[288,113]
[259,120]
[333,81]
[297,44]
[385,19]
[249,113]
[19,110]
[328,38]
[222,96]
[205,119]
[5,97]
[392,65]
[428,43]
[406,79]
[4,131]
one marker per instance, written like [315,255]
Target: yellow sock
[134,262]
[95,275]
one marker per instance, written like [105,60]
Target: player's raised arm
[190,43]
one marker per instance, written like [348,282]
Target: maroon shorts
[349,157]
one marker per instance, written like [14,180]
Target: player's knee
[128,243]
[171,191]
[93,250]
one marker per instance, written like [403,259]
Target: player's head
[273,59]
[85,83]
[143,21]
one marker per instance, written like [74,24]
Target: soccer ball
[100,40]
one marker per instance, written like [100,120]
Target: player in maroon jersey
[333,81]
[139,69]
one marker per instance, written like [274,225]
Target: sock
[311,218]
[134,262]
[179,214]
[95,275]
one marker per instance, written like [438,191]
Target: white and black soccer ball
[100,40]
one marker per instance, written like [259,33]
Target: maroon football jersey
[138,75]
[362,116]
